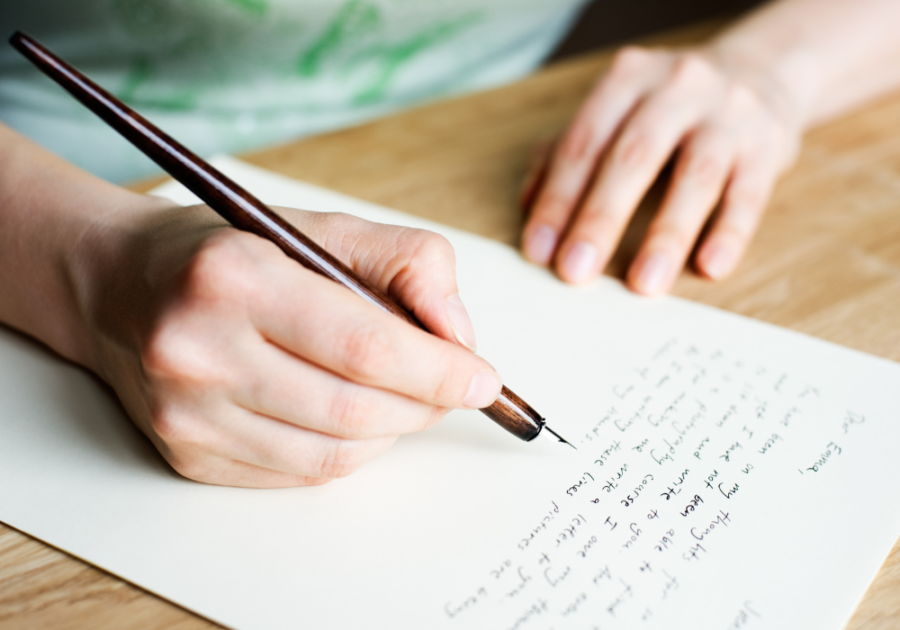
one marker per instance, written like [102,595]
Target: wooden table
[826,262]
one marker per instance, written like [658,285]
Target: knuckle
[746,199]
[628,66]
[446,388]
[171,352]
[636,149]
[366,351]
[165,353]
[690,69]
[337,232]
[601,220]
[334,221]
[672,237]
[160,355]
[630,58]
[192,468]
[419,254]
[219,269]
[207,273]
[352,415]
[174,427]
[433,249]
[740,98]
[704,169]
[578,140]
[339,460]
[435,415]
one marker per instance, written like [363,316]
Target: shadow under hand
[57,416]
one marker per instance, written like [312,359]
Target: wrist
[46,207]
[97,264]
[786,78]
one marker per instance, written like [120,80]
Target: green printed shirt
[230,75]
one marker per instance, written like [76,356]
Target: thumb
[417,268]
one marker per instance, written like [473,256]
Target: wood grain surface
[826,262]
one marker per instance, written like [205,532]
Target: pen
[246,212]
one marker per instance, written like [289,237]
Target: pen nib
[558,437]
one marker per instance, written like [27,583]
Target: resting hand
[730,131]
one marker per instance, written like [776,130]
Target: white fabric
[230,75]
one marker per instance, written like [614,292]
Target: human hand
[731,130]
[246,369]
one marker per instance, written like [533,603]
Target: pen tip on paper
[558,437]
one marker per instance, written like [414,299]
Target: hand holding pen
[248,370]
[240,365]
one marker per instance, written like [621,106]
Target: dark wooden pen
[246,212]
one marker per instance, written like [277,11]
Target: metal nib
[556,435]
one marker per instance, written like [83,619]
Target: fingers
[703,166]
[242,448]
[642,149]
[633,72]
[639,116]
[283,386]
[256,372]
[332,328]
[222,472]
[246,369]
[415,267]
[742,208]
[278,446]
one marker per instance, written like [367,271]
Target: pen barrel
[225,197]
[243,210]
[515,415]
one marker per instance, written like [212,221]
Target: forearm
[826,56]
[243,367]
[46,207]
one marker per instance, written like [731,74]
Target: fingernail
[654,274]
[541,244]
[460,322]
[580,263]
[718,260]
[483,390]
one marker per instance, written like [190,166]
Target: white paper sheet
[729,475]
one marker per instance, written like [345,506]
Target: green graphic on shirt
[257,7]
[140,74]
[347,33]
[355,19]
[169,35]
[392,58]
[187,50]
